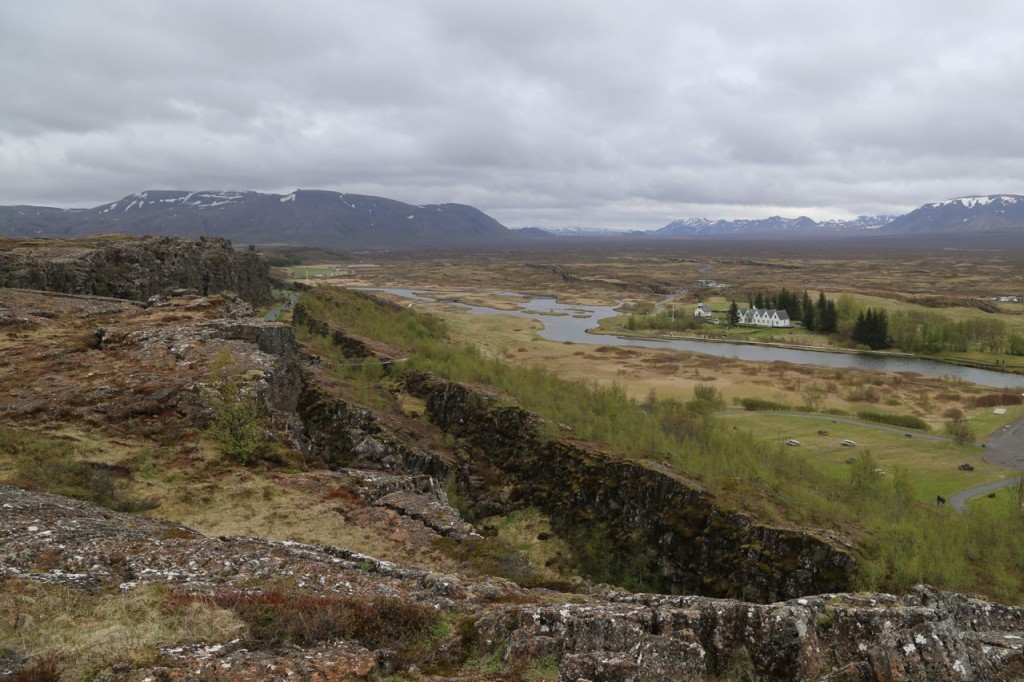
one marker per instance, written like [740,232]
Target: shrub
[864,394]
[237,422]
[41,669]
[756,404]
[904,421]
[997,399]
[277,618]
[960,431]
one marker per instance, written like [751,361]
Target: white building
[763,317]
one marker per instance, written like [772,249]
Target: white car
[847,443]
[792,441]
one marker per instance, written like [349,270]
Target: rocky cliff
[658,530]
[134,268]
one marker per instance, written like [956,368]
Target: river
[565,322]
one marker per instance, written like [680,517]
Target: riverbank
[945,360]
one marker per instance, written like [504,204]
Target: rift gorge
[280,463]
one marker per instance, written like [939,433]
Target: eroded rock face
[649,518]
[603,635]
[134,268]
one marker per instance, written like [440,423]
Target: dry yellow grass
[88,633]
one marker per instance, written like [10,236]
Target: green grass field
[932,466]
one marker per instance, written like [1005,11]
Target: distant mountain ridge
[309,217]
[356,221]
[775,225]
[964,214]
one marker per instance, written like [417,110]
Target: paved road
[959,500]
[1004,447]
[275,313]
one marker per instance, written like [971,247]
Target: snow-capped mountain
[770,226]
[964,214]
[310,217]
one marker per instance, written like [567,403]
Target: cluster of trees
[1016,344]
[670,320]
[926,332]
[871,328]
[819,316]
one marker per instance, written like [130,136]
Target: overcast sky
[538,112]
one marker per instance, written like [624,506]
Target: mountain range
[772,226]
[353,221]
[966,214]
[307,217]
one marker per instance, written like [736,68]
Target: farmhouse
[763,317]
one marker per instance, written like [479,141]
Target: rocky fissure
[654,523]
[134,269]
[83,362]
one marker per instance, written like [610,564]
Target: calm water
[564,322]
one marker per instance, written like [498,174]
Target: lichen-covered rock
[134,268]
[603,635]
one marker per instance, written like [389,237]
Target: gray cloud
[540,113]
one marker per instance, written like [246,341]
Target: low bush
[904,421]
[998,399]
[760,404]
[863,394]
[277,618]
[47,668]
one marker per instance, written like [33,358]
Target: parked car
[966,467]
[847,443]
[792,441]
[822,432]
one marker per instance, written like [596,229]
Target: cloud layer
[540,113]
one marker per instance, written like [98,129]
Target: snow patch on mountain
[971,202]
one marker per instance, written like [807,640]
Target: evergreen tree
[826,317]
[759,300]
[880,331]
[871,328]
[808,317]
[859,333]
[734,314]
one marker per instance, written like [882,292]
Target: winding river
[569,323]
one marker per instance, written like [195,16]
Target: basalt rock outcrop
[103,362]
[134,268]
[652,522]
[602,635]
